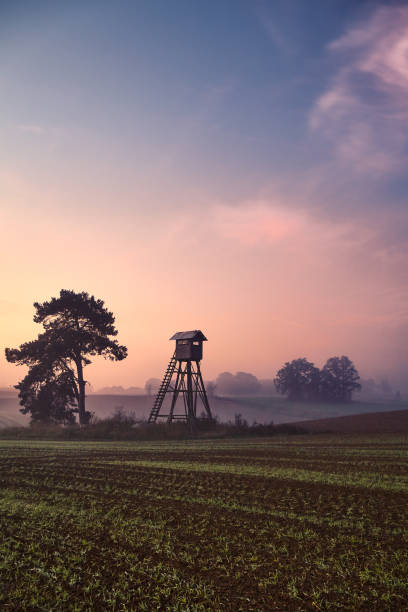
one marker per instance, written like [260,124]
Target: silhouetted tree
[47,396]
[76,326]
[339,378]
[298,379]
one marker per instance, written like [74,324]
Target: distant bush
[241,383]
[124,426]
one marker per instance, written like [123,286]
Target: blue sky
[218,89]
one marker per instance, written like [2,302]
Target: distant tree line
[226,383]
[302,380]
[298,380]
[241,383]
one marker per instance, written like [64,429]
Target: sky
[235,166]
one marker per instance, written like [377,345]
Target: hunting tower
[183,378]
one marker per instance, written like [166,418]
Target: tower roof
[194,334]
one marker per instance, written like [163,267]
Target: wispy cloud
[270,224]
[277,36]
[256,222]
[364,111]
[31,128]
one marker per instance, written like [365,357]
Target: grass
[281,523]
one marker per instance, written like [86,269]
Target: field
[296,523]
[395,421]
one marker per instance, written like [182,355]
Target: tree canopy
[300,379]
[47,396]
[339,378]
[76,327]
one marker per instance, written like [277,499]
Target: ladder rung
[161,393]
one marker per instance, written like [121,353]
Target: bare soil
[395,421]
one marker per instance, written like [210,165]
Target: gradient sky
[235,166]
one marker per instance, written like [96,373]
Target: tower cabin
[189,345]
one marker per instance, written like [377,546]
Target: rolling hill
[394,421]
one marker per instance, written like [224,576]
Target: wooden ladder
[158,401]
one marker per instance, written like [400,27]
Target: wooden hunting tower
[185,366]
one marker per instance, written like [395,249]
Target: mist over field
[256,408]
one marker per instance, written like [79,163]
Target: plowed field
[300,523]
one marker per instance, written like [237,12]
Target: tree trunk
[81,398]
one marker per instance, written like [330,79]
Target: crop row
[121,528]
[324,502]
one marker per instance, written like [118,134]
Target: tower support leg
[175,394]
[202,391]
[190,399]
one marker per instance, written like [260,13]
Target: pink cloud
[382,47]
[364,112]
[269,223]
[257,222]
